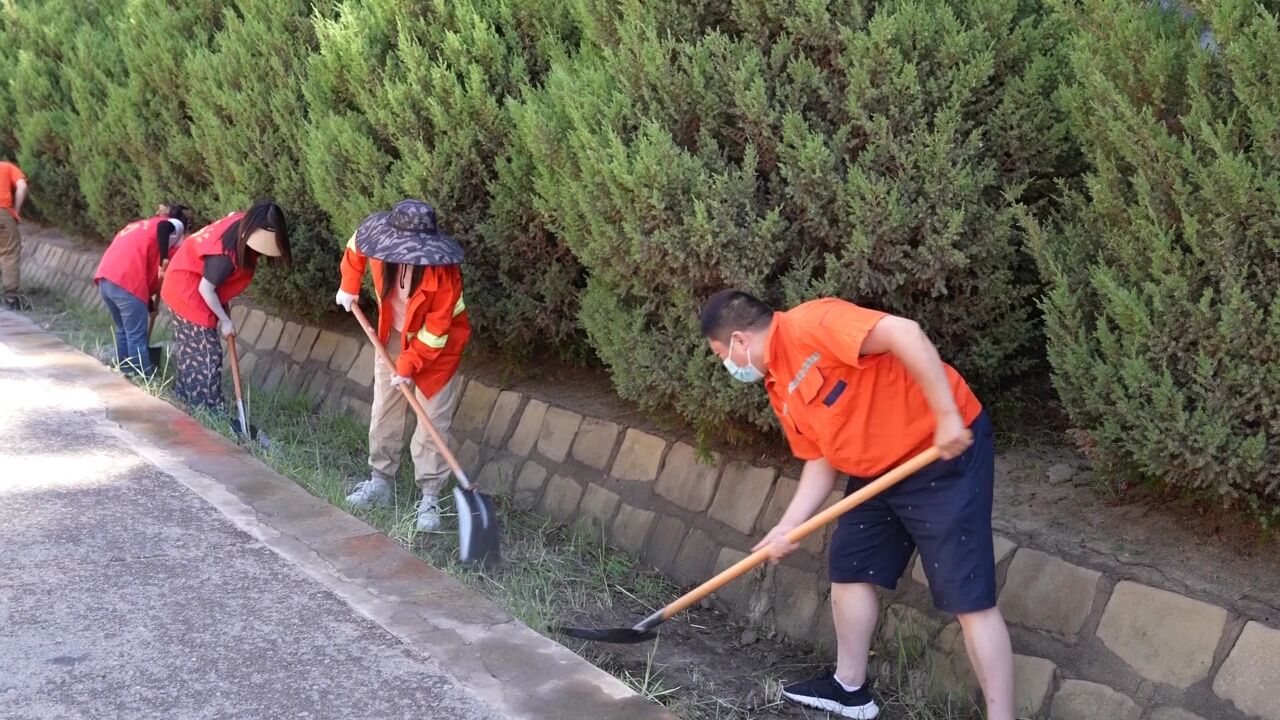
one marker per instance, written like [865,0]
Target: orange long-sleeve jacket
[436,328]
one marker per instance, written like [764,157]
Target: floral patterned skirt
[197,359]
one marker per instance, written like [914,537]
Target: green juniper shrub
[1163,270]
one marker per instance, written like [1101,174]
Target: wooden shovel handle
[859,496]
[235,369]
[235,379]
[412,397]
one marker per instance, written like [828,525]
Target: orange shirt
[9,177]
[863,413]
[436,328]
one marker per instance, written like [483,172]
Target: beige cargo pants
[10,255]
[386,429]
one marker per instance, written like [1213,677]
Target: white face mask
[742,373]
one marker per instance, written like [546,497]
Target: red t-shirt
[863,413]
[181,288]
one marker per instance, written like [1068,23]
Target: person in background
[211,268]
[858,392]
[13,193]
[418,285]
[129,276]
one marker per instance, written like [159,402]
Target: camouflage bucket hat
[407,234]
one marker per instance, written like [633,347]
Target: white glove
[346,299]
[400,380]
[228,327]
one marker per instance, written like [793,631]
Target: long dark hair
[264,215]
[391,273]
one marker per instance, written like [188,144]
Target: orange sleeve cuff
[405,366]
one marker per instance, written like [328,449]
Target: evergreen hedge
[879,156]
[609,163]
[408,100]
[248,115]
[1163,307]
[38,42]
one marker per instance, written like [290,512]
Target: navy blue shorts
[945,511]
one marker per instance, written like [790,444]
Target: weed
[649,684]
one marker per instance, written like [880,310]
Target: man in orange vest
[417,283]
[13,193]
[857,392]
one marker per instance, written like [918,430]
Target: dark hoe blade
[624,636]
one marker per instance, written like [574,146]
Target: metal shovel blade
[621,636]
[253,429]
[479,536]
[253,435]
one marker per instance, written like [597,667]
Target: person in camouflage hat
[417,284]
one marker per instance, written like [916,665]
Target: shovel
[155,352]
[242,427]
[478,532]
[644,630]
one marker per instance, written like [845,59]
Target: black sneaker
[824,693]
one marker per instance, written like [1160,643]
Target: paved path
[125,594]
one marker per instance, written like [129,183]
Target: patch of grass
[81,326]
[911,677]
[548,569]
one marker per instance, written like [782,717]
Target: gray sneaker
[17,303]
[374,492]
[429,515]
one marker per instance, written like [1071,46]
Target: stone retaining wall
[1091,647]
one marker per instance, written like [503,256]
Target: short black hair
[178,211]
[730,311]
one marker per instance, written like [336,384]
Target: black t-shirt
[217,268]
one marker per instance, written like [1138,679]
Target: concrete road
[126,594]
